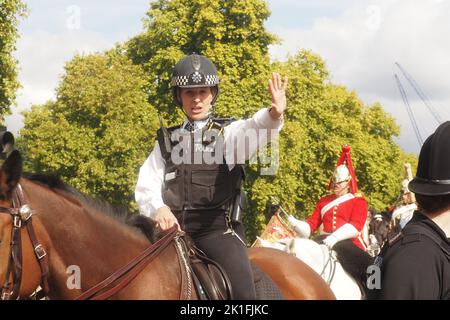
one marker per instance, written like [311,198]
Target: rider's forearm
[259,130]
[346,231]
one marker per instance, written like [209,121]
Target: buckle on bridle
[17,222]
[40,251]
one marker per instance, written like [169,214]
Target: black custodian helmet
[195,71]
[433,170]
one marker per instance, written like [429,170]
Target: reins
[140,262]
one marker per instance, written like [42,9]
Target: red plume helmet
[346,160]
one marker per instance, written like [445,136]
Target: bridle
[21,215]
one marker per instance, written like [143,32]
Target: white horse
[321,260]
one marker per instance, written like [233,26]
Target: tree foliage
[98,131]
[10,12]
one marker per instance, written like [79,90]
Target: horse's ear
[10,173]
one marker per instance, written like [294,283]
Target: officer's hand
[165,218]
[277,90]
[330,241]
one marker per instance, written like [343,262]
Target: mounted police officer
[193,176]
[416,262]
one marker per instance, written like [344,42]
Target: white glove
[302,228]
[330,241]
[347,231]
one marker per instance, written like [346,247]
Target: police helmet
[195,71]
[433,170]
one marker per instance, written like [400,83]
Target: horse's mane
[138,222]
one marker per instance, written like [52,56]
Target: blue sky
[360,40]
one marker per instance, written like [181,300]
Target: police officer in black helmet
[193,176]
[415,264]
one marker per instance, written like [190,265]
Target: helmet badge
[197,77]
[196,64]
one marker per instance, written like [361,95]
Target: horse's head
[19,268]
[380,226]
[10,174]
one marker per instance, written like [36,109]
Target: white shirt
[148,192]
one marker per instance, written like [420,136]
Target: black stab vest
[196,176]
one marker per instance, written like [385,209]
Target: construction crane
[420,93]
[408,108]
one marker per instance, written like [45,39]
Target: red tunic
[353,211]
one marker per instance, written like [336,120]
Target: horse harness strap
[332,261]
[187,278]
[22,216]
[129,271]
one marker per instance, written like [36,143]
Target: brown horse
[81,242]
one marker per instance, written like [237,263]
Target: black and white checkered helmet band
[195,79]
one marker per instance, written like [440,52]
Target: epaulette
[223,121]
[170,129]
[394,237]
[163,136]
[173,128]
[413,237]
[219,123]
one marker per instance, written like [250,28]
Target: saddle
[210,279]
[212,282]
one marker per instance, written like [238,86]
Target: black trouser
[207,230]
[231,254]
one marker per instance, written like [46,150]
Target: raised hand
[277,89]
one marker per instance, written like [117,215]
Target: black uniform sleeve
[411,271]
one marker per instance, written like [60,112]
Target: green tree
[98,131]
[10,12]
[230,33]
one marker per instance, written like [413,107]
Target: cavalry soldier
[342,216]
[415,264]
[342,213]
[193,177]
[404,212]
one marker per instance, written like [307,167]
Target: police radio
[238,206]
[240,198]
[165,136]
